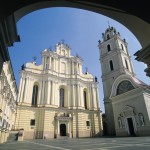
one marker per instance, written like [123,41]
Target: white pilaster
[22,90]
[91,93]
[30,88]
[20,87]
[58,126]
[43,92]
[25,89]
[78,95]
[40,92]
[50,65]
[97,93]
[94,98]
[73,96]
[53,86]
[56,94]
[48,92]
[68,96]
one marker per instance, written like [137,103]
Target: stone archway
[137,23]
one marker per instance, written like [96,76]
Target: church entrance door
[62,130]
[131,126]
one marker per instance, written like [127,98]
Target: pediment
[127,108]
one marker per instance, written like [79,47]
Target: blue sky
[80,29]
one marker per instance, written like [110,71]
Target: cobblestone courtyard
[125,143]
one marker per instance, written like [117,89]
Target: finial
[34,58]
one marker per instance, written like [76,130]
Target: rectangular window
[87,123]
[32,122]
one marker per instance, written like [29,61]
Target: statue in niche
[141,118]
[119,122]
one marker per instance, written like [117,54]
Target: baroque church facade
[8,97]
[57,99]
[126,98]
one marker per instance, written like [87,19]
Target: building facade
[8,97]
[126,98]
[57,99]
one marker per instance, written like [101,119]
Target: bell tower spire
[115,60]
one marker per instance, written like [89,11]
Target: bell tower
[115,60]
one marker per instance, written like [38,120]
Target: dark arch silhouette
[120,11]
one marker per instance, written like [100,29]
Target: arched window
[85,99]
[122,47]
[111,65]
[34,95]
[141,119]
[108,37]
[61,95]
[126,64]
[124,86]
[108,48]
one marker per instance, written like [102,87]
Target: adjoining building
[8,97]
[57,99]
[126,98]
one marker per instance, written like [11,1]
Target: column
[81,97]
[43,62]
[56,94]
[40,93]
[43,92]
[97,95]
[50,65]
[68,128]
[22,90]
[72,95]
[78,95]
[20,86]
[59,65]
[25,89]
[54,65]
[68,96]
[48,92]
[72,67]
[70,132]
[94,98]
[30,89]
[53,86]
[58,130]
[91,97]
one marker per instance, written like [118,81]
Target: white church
[57,99]
[126,98]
